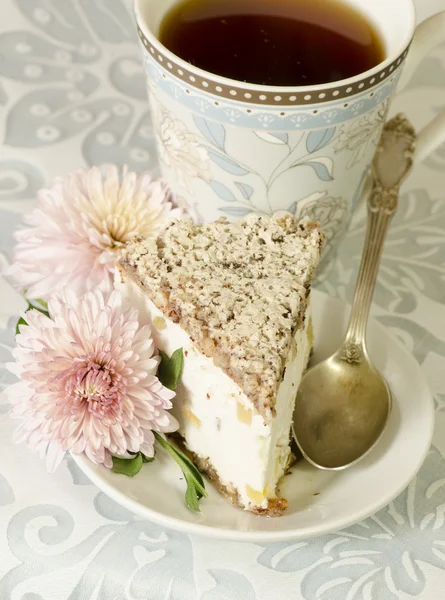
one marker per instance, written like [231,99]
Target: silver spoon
[343,403]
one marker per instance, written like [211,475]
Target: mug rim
[390,61]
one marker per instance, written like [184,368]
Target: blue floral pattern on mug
[200,154]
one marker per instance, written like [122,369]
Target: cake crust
[238,289]
[275,506]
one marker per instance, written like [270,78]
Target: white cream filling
[216,418]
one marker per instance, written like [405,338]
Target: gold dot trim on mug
[255,97]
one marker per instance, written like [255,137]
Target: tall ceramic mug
[230,148]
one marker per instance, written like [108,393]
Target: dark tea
[273,42]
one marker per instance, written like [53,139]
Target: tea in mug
[273,42]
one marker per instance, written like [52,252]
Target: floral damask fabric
[72,93]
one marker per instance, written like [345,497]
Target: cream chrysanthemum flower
[87,381]
[75,234]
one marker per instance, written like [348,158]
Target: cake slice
[235,297]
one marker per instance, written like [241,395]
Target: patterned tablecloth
[72,93]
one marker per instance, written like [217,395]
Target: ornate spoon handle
[392,163]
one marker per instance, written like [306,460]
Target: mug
[229,148]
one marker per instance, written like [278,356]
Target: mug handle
[429,34]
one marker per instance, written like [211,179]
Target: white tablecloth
[72,93]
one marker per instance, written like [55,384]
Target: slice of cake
[235,297]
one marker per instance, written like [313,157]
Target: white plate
[319,501]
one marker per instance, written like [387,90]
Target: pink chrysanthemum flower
[82,222]
[87,381]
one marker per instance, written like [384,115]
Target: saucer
[319,502]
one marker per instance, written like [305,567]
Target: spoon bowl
[341,412]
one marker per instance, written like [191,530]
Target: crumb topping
[238,289]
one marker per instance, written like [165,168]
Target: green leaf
[170,369]
[21,321]
[191,496]
[42,303]
[41,309]
[147,459]
[195,483]
[127,466]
